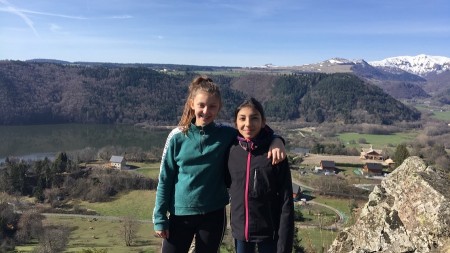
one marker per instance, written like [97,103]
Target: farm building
[371,154]
[118,162]
[373,169]
[389,163]
[327,166]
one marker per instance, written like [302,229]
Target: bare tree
[53,239]
[105,153]
[84,155]
[29,226]
[8,219]
[55,197]
[129,229]
[443,162]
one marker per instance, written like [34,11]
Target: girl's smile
[249,122]
[206,107]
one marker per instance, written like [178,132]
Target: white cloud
[13,10]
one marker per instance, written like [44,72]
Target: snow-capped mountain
[340,61]
[421,65]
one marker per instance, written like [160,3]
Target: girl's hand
[164,234]
[277,151]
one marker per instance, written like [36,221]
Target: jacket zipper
[202,136]
[255,180]
[247,182]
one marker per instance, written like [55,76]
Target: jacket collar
[263,138]
[205,128]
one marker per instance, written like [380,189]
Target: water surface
[39,141]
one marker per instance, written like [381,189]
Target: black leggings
[208,230]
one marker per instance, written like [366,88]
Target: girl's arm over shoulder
[277,150]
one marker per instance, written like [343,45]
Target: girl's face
[249,122]
[206,107]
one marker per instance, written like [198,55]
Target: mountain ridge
[421,64]
[404,77]
[33,93]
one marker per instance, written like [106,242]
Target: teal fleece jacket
[191,178]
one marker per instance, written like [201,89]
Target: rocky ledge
[408,213]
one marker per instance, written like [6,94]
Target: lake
[39,141]
[36,142]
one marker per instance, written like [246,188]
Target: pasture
[101,233]
[377,141]
[138,204]
[150,170]
[442,115]
[317,239]
[104,231]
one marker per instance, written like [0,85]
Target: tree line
[43,93]
[57,181]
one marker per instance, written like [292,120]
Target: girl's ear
[191,104]
[263,123]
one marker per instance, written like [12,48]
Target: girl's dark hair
[199,84]
[252,103]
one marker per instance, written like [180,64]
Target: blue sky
[222,33]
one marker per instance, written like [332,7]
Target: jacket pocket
[261,186]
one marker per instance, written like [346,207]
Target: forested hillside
[335,98]
[42,92]
[39,93]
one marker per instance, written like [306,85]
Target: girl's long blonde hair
[199,84]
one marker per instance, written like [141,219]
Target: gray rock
[409,212]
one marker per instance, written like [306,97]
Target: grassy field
[150,170]
[343,205]
[138,204]
[377,141]
[101,234]
[316,238]
[444,115]
[311,212]
[104,232]
[437,113]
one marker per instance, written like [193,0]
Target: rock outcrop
[409,212]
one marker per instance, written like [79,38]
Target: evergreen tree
[59,166]
[401,153]
[60,163]
[42,169]
[297,246]
[318,149]
[17,177]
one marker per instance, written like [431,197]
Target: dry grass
[314,159]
